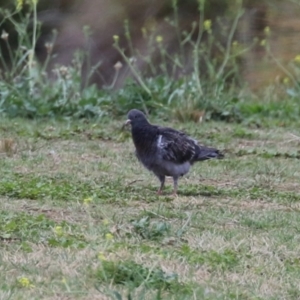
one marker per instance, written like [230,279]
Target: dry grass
[70,201]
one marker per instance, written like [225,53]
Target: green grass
[80,218]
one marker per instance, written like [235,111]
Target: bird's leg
[175,179]
[162,183]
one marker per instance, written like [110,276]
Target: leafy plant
[150,230]
[133,275]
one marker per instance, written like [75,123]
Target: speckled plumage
[166,151]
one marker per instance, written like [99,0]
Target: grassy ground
[80,219]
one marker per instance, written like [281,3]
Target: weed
[133,275]
[150,230]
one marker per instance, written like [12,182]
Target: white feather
[159,143]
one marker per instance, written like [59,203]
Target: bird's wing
[176,146]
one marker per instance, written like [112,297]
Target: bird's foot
[159,192]
[174,194]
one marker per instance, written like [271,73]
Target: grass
[80,217]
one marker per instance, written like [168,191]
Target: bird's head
[135,116]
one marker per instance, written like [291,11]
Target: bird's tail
[205,153]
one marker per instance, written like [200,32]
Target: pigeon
[165,151]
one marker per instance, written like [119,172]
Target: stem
[134,72]
[128,37]
[163,58]
[228,44]
[4,62]
[111,86]
[31,52]
[49,55]
[189,35]
[34,25]
[279,64]
[177,28]
[196,46]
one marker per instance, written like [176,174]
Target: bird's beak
[126,123]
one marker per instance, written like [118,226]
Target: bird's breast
[173,169]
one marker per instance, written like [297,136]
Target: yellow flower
[25,282]
[267,30]
[20,4]
[105,222]
[159,39]
[109,236]
[101,256]
[235,43]
[116,38]
[58,230]
[87,201]
[207,25]
[63,280]
[286,80]
[297,58]
[263,43]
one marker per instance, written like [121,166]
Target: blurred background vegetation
[192,59]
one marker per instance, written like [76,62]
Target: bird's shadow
[199,190]
[148,194]
[192,191]
[186,191]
